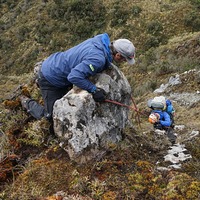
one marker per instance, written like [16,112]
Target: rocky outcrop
[85,128]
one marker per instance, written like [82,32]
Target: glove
[99,95]
[153,118]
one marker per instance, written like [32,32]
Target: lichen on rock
[86,128]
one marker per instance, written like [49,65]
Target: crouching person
[74,67]
[162,116]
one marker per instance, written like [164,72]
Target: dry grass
[127,171]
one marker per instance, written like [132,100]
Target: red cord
[118,103]
[137,117]
[124,105]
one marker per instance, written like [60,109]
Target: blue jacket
[164,118]
[77,64]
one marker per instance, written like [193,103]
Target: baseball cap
[126,49]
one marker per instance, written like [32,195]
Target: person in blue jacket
[160,104]
[160,119]
[162,115]
[61,70]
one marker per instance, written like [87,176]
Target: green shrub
[192,19]
[44,31]
[151,41]
[81,18]
[125,33]
[136,10]
[55,44]
[154,27]
[149,58]
[6,44]
[196,3]
[147,86]
[155,41]
[22,33]
[56,12]
[164,68]
[10,3]
[82,30]
[2,25]
[58,2]
[119,16]
[166,7]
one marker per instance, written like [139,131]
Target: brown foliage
[7,165]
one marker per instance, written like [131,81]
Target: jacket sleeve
[80,74]
[166,120]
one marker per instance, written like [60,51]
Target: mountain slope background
[167,39]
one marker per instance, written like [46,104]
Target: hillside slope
[166,35]
[31,30]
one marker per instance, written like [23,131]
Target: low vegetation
[167,39]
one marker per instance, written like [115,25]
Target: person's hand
[99,95]
[154,118]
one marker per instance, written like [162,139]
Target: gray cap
[126,49]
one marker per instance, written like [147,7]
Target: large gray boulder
[87,129]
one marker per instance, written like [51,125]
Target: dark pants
[50,94]
[169,131]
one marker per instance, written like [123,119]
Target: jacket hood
[105,40]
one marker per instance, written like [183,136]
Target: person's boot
[24,102]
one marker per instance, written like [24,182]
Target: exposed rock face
[172,81]
[86,128]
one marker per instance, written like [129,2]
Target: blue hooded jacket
[164,117]
[77,64]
